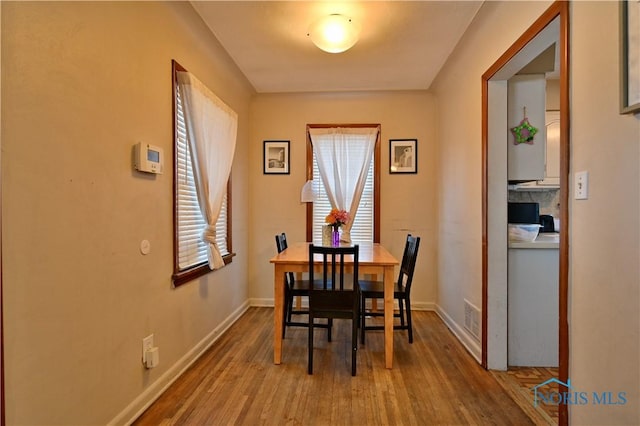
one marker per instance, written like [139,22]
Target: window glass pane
[192,250]
[362,229]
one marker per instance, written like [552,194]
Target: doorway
[551,27]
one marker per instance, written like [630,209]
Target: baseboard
[467,340]
[262,303]
[151,393]
[423,306]
[416,306]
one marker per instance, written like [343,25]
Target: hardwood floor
[434,381]
[519,383]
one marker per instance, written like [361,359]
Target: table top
[369,254]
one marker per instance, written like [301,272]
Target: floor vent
[472,319]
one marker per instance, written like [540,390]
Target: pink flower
[337,218]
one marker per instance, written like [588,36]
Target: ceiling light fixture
[334,33]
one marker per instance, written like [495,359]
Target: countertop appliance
[523,212]
[546,220]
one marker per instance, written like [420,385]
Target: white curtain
[344,157]
[211,135]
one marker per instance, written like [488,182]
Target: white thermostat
[148,158]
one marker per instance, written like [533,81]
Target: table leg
[388,316]
[278,292]
[374,302]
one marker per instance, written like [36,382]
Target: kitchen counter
[545,240]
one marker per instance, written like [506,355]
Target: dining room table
[373,259]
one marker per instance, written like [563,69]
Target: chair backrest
[334,262]
[408,262]
[281,245]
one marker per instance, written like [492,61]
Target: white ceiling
[402,46]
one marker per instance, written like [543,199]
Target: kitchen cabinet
[552,156]
[526,99]
[552,149]
[533,303]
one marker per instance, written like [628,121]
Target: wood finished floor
[434,381]
[519,383]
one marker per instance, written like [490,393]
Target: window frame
[376,176]
[180,277]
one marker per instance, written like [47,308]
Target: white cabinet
[526,99]
[533,307]
[552,155]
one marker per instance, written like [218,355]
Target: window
[190,251]
[366,226]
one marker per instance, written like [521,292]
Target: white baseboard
[262,303]
[467,340]
[423,306]
[416,306]
[151,393]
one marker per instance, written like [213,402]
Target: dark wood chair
[293,288]
[335,293]
[402,292]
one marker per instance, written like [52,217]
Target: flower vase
[335,237]
[327,235]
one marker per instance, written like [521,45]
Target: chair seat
[375,289]
[334,304]
[304,286]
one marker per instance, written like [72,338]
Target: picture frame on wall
[276,157]
[629,56]
[403,156]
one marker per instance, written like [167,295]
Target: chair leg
[310,349]
[363,314]
[290,307]
[400,304]
[329,326]
[354,342]
[285,312]
[409,323]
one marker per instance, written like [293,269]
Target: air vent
[472,319]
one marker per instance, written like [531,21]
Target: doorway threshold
[519,382]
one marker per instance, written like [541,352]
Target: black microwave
[523,212]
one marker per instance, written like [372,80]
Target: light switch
[582,185]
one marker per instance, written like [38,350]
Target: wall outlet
[147,345]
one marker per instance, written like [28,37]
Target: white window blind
[192,250]
[362,230]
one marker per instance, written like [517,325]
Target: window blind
[362,228]
[192,250]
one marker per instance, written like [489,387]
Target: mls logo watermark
[543,395]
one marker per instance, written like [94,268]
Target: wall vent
[472,319]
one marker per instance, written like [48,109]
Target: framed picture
[276,157]
[629,56]
[403,156]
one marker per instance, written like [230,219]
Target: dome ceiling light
[334,33]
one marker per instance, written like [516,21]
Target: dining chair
[402,292]
[293,288]
[337,293]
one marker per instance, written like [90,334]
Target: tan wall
[605,229]
[82,83]
[407,201]
[458,91]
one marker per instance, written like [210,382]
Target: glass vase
[335,237]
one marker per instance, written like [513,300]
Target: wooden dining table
[373,259]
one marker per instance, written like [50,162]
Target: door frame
[560,10]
